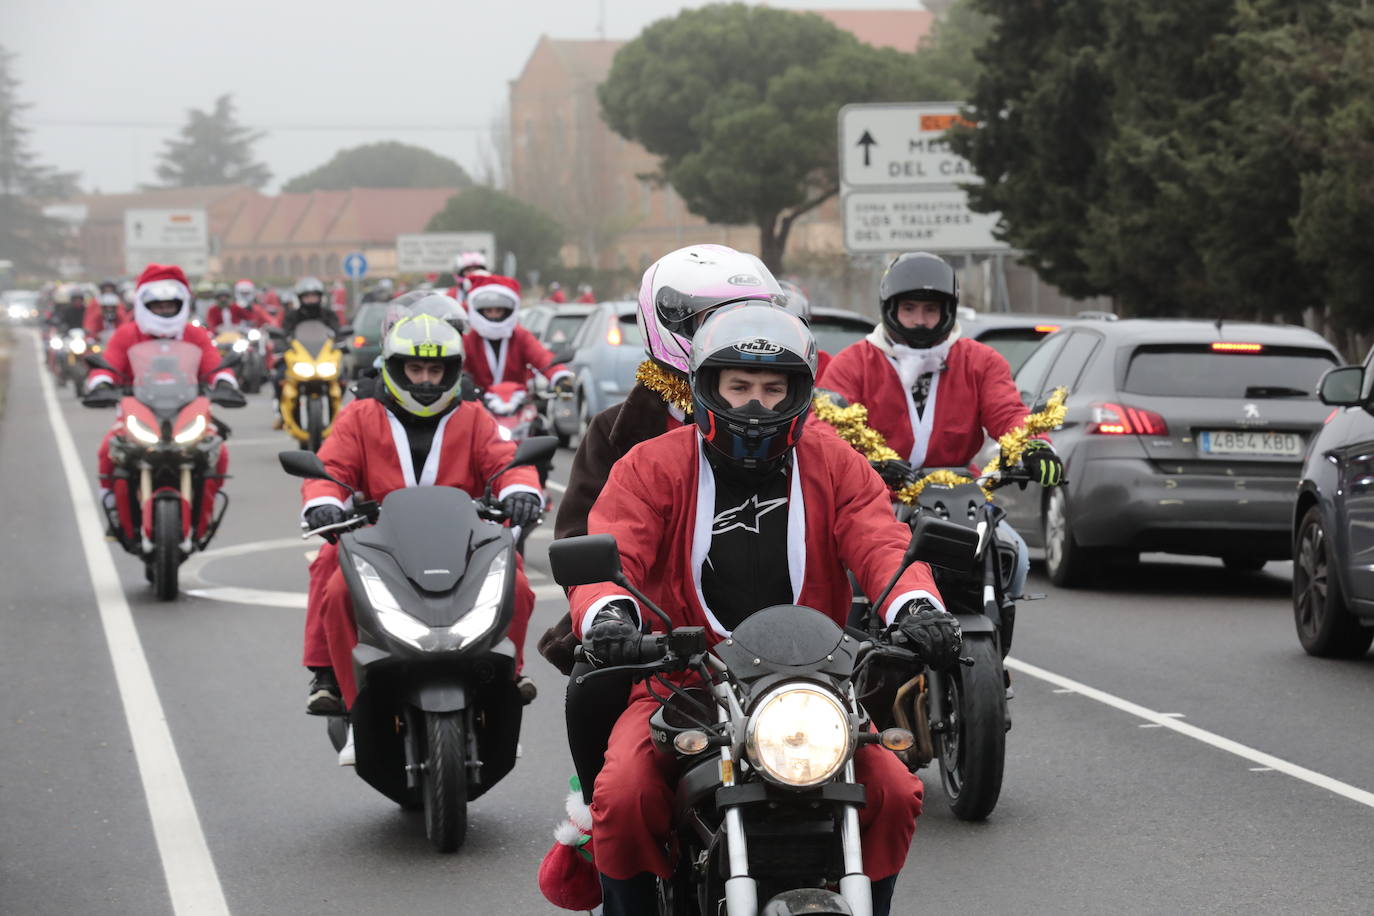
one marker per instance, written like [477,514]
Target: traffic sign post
[936,221]
[427,252]
[355,268]
[180,237]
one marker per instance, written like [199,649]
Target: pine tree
[213,149]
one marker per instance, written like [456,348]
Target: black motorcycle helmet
[752,336]
[928,278]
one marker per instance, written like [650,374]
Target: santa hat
[162,281]
[506,287]
[505,291]
[568,877]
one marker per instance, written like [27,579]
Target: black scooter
[437,716]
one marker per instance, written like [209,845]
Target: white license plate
[1250,442]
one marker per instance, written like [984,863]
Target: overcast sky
[110,81]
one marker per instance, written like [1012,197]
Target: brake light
[1226,346]
[1331,416]
[358,341]
[1116,420]
[613,336]
[1047,328]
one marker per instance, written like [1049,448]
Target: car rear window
[368,322]
[1197,371]
[562,329]
[629,331]
[1015,344]
[833,336]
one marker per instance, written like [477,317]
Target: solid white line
[1166,720]
[192,881]
[556,487]
[259,596]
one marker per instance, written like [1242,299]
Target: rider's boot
[635,896]
[325,698]
[883,889]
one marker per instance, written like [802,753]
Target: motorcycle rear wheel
[444,782]
[166,548]
[314,423]
[973,749]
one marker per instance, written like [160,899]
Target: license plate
[1250,442]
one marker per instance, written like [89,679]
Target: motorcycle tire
[444,782]
[314,423]
[166,548]
[972,751]
[76,385]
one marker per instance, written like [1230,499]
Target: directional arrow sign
[901,146]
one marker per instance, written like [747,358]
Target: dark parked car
[1181,436]
[1333,522]
[365,343]
[836,329]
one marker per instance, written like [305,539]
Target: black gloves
[895,472]
[225,394]
[614,637]
[319,516]
[1043,464]
[103,394]
[931,633]
[522,508]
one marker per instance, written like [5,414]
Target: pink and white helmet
[683,286]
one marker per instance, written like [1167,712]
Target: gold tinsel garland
[851,424]
[671,387]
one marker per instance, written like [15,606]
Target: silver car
[1181,436]
[606,352]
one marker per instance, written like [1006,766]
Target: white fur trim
[904,597]
[579,812]
[326,501]
[588,617]
[567,833]
[493,330]
[518,488]
[157,325]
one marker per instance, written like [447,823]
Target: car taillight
[359,341]
[1116,420]
[1046,328]
[1226,346]
[613,335]
[1331,416]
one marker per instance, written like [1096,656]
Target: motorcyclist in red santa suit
[162,308]
[499,349]
[414,433]
[931,393]
[739,512]
[105,313]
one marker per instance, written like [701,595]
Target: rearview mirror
[943,543]
[303,464]
[96,361]
[1341,387]
[535,450]
[231,359]
[584,560]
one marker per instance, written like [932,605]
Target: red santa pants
[632,804]
[124,494]
[341,631]
[325,564]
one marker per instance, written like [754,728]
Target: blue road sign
[355,265]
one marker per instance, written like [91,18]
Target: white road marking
[548,591]
[556,487]
[260,596]
[1261,769]
[1165,720]
[192,882]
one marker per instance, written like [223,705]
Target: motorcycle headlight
[303,369]
[55,343]
[479,621]
[254,334]
[240,346]
[389,614]
[799,736]
[326,370]
[193,432]
[140,431]
[78,346]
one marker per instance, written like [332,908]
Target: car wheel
[1326,628]
[1067,563]
[1243,563]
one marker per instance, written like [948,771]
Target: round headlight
[303,369]
[799,736]
[240,346]
[326,370]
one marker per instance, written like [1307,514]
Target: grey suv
[1181,436]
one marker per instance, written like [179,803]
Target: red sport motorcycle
[165,447]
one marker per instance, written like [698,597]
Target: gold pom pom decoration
[674,389]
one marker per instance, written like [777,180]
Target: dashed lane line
[1171,721]
[192,882]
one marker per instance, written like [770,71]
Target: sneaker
[347,756]
[526,689]
[325,698]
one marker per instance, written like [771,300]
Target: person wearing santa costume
[162,309]
[932,394]
[467,267]
[498,348]
[739,512]
[105,313]
[416,432]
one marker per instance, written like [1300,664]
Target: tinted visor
[682,313]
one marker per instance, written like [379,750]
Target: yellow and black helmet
[422,337]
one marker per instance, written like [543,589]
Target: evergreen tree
[213,149]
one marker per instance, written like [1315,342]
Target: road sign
[882,221]
[180,237]
[901,146]
[355,265]
[425,252]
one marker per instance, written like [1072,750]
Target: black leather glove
[522,508]
[1044,465]
[895,472]
[614,637]
[102,395]
[931,633]
[226,394]
[319,516]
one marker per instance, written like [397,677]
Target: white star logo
[746,515]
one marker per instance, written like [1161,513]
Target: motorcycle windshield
[313,335]
[166,373]
[788,635]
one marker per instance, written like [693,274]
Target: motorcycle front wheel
[972,749]
[444,782]
[314,423]
[166,547]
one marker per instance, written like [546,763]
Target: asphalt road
[1104,806]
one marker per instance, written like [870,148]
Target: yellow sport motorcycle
[311,388]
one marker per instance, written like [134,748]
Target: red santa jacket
[117,355]
[234,314]
[94,319]
[521,356]
[839,516]
[973,394]
[370,451]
